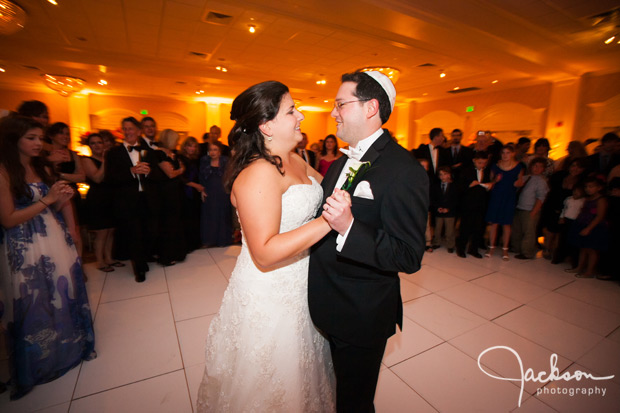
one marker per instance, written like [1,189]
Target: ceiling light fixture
[63,84]
[12,17]
[54,2]
[252,28]
[321,82]
[221,69]
[390,72]
[456,88]
[2,70]
[442,74]
[102,82]
[611,39]
[495,81]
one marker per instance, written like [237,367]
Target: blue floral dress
[43,302]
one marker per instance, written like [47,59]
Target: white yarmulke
[386,84]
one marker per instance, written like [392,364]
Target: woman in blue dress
[507,176]
[43,302]
[216,214]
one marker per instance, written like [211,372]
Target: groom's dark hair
[368,88]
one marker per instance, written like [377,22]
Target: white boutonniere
[355,171]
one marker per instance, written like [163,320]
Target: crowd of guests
[572,202]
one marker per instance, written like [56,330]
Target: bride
[263,353]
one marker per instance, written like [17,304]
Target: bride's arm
[257,193]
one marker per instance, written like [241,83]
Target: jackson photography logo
[544,377]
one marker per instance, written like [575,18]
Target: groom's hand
[337,211]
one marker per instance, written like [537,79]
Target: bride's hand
[337,211]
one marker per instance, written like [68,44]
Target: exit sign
[469,109]
[144,112]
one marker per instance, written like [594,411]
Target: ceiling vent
[220,19]
[30,67]
[427,65]
[465,89]
[199,55]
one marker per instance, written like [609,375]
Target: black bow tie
[134,148]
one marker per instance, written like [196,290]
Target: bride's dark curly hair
[253,107]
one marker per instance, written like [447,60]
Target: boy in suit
[444,202]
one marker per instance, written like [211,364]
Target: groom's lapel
[332,176]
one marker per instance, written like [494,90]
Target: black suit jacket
[476,197]
[125,186]
[354,295]
[311,157]
[463,157]
[424,152]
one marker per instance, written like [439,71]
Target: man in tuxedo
[433,151]
[353,285]
[149,131]
[603,162]
[128,169]
[213,136]
[458,155]
[307,155]
[474,184]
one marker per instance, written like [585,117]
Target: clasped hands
[59,193]
[141,168]
[337,211]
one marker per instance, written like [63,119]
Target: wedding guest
[610,270]
[601,163]
[109,141]
[521,149]
[528,210]
[443,202]
[135,203]
[475,183]
[487,143]
[71,171]
[590,233]
[428,234]
[458,155]
[216,216]
[306,155]
[328,154]
[171,233]
[149,132]
[192,191]
[99,205]
[541,150]
[561,186]
[42,296]
[575,150]
[36,110]
[506,176]
[213,136]
[434,153]
[570,212]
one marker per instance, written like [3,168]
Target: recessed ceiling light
[495,81]
[54,2]
[425,94]
[442,74]
[221,68]
[326,101]
[611,39]
[102,82]
[2,69]
[251,28]
[456,88]
[321,82]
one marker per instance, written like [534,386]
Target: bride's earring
[269,138]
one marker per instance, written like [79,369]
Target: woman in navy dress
[216,214]
[192,191]
[506,176]
[43,302]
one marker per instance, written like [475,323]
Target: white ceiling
[146,45]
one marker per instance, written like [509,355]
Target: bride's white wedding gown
[263,353]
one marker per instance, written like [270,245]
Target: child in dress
[590,233]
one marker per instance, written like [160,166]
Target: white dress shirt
[135,158]
[362,147]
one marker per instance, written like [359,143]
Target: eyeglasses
[339,105]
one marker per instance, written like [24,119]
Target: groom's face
[350,116]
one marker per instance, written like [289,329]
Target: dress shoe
[521,257]
[140,277]
[450,250]
[435,247]
[460,253]
[475,254]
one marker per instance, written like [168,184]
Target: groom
[353,285]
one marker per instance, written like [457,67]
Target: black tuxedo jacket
[354,295]
[125,186]
[424,152]
[463,157]
[475,197]
[311,157]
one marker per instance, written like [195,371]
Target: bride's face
[285,127]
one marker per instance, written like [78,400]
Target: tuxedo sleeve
[396,244]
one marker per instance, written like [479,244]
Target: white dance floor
[150,339]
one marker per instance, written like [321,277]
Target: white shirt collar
[364,144]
